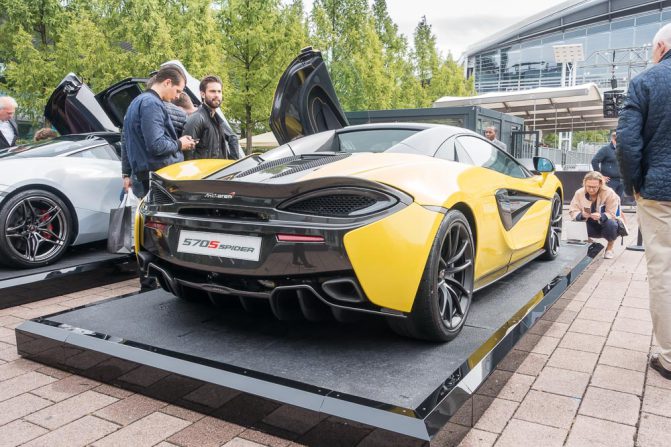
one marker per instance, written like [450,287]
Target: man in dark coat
[605,162]
[177,116]
[644,153]
[215,139]
[8,130]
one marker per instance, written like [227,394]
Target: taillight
[155,225]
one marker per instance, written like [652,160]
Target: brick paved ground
[578,378]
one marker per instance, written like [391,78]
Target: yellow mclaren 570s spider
[401,220]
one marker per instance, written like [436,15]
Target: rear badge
[219,244]
[211,195]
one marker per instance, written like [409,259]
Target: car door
[93,183]
[495,245]
[305,101]
[115,99]
[73,108]
[522,205]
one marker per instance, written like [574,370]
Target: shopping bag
[120,232]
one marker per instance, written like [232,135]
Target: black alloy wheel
[553,236]
[446,290]
[36,229]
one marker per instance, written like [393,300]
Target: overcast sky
[460,23]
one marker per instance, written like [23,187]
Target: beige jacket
[607,202]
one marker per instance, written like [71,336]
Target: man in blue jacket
[644,153]
[149,137]
[605,162]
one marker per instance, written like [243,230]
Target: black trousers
[606,230]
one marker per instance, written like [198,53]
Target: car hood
[429,181]
[382,167]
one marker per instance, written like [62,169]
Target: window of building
[622,38]
[649,18]
[553,38]
[644,34]
[619,24]
[530,67]
[575,33]
[594,43]
[601,28]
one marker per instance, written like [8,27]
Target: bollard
[639,243]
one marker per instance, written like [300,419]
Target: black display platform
[80,259]
[156,344]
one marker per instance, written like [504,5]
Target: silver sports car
[59,193]
[55,194]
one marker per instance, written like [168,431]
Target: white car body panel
[92,187]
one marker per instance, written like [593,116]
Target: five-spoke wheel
[36,227]
[444,296]
[553,236]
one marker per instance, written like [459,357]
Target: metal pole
[639,243]
[563,74]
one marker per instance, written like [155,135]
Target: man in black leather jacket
[644,153]
[215,139]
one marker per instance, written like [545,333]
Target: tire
[35,229]
[553,235]
[446,289]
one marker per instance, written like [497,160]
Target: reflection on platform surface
[82,267]
[169,349]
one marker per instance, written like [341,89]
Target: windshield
[49,148]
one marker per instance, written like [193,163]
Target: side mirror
[542,164]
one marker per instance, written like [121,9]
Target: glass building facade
[618,46]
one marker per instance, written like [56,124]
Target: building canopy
[550,109]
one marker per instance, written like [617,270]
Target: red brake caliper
[50,227]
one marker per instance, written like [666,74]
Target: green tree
[438,77]
[345,31]
[259,38]
[405,90]
[28,35]
[426,54]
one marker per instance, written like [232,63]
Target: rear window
[377,140]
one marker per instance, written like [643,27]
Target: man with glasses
[596,204]
[149,137]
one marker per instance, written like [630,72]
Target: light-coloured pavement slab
[579,377]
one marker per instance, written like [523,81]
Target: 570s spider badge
[219,244]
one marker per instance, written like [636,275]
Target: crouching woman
[596,204]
